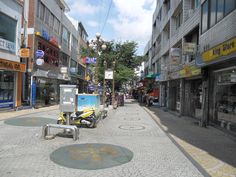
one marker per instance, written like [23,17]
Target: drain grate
[131,127]
[132,119]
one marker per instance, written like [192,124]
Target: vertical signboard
[34,93]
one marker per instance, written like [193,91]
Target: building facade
[216,57]
[175,37]
[11,70]
[51,33]
[194,53]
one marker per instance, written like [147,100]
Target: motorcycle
[86,117]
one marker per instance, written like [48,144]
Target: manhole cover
[29,121]
[131,127]
[132,119]
[91,156]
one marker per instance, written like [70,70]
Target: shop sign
[52,74]
[223,49]
[89,60]
[189,48]
[189,71]
[109,74]
[39,54]
[6,104]
[174,75]
[87,78]
[7,45]
[24,53]
[175,54]
[39,61]
[12,66]
[53,40]
[46,36]
[33,93]
[64,70]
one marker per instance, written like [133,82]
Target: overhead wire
[107,15]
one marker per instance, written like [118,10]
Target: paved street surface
[23,153]
[213,149]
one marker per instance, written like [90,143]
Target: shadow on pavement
[211,140]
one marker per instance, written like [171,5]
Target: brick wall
[32,13]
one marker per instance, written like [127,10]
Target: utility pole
[113,85]
[25,45]
[104,84]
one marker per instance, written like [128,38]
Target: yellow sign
[24,53]
[12,66]
[224,49]
[189,71]
[87,78]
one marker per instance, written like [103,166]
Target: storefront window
[225,104]
[47,91]
[6,88]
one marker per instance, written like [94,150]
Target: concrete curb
[14,114]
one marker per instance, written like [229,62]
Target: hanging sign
[39,61]
[108,74]
[39,54]
[24,53]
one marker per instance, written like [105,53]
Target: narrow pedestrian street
[23,152]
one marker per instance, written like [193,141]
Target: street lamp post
[113,85]
[97,44]
[104,84]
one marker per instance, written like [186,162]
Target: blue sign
[6,103]
[91,87]
[91,60]
[33,93]
[45,35]
[39,54]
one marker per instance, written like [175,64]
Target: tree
[126,60]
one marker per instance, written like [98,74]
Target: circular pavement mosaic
[29,121]
[91,156]
[131,127]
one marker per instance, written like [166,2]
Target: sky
[127,20]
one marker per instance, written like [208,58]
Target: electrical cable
[108,12]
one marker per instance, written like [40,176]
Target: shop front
[10,83]
[192,101]
[220,64]
[225,97]
[48,86]
[173,91]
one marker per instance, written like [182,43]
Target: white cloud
[82,7]
[92,23]
[134,20]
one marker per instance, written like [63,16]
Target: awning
[151,76]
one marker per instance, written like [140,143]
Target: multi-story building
[52,33]
[175,36]
[217,54]
[83,69]
[194,53]
[11,70]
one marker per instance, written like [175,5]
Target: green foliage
[123,54]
